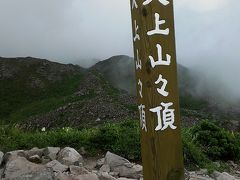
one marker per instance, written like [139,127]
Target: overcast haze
[76,31]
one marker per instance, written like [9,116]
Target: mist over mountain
[120,71]
[39,93]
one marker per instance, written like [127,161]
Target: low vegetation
[204,143]
[16,97]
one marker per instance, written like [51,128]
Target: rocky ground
[98,102]
[53,163]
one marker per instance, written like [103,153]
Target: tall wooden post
[157,89]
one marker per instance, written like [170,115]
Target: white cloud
[203,5]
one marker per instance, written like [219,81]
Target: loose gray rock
[222,176]
[35,159]
[1,173]
[21,169]
[100,162]
[51,152]
[63,176]
[45,160]
[69,156]
[122,166]
[76,170]
[114,174]
[105,168]
[106,176]
[1,157]
[42,174]
[90,176]
[13,154]
[114,160]
[33,152]
[129,171]
[199,175]
[57,166]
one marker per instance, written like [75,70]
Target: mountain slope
[25,80]
[95,102]
[38,93]
[119,70]
[195,104]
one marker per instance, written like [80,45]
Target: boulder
[42,174]
[69,156]
[21,169]
[33,152]
[90,176]
[56,166]
[100,162]
[122,166]
[198,175]
[76,170]
[186,174]
[129,170]
[222,176]
[105,168]
[105,176]
[1,157]
[51,152]
[114,160]
[45,160]
[1,173]
[114,174]
[13,154]
[63,176]
[35,159]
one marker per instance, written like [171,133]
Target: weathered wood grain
[161,150]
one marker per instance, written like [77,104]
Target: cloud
[77,31]
[204,5]
[66,30]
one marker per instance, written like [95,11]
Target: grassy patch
[124,139]
[18,94]
[44,106]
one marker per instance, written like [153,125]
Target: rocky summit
[54,163]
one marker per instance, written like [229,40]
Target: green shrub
[122,138]
[217,143]
[202,143]
[193,154]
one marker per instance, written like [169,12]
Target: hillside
[199,99]
[48,104]
[119,71]
[26,80]
[37,93]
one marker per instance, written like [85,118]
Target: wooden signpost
[157,89]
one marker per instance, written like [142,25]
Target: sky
[84,31]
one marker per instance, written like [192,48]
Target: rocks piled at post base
[53,163]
